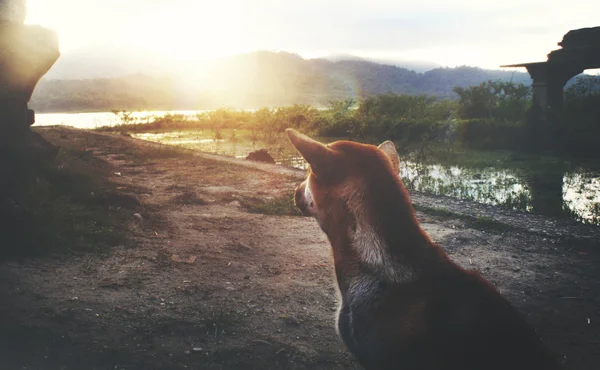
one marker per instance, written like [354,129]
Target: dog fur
[404,303]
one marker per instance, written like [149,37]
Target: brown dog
[404,303]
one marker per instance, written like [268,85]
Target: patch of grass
[165,151]
[47,209]
[479,222]
[189,197]
[434,211]
[142,155]
[282,206]
[488,223]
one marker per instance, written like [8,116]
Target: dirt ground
[206,284]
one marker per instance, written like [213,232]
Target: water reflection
[491,186]
[550,190]
[546,191]
[581,195]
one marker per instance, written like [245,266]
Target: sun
[179,29]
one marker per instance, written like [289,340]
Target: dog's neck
[384,241]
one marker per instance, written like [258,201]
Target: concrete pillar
[26,53]
[14,11]
[539,86]
[549,80]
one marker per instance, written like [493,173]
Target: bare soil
[204,283]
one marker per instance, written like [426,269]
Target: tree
[493,99]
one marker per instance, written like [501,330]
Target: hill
[250,80]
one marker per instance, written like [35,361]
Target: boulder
[260,155]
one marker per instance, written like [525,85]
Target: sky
[479,33]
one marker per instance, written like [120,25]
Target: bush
[490,134]
[494,99]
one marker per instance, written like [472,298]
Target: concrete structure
[26,53]
[580,51]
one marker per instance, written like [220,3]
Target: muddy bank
[214,276]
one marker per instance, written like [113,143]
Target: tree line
[494,115]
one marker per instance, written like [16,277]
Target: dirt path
[255,291]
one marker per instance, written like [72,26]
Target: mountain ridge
[252,80]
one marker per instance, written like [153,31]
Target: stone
[178,259]
[234,204]
[260,155]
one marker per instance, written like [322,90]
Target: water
[550,191]
[570,192]
[99,119]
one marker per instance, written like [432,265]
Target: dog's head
[339,176]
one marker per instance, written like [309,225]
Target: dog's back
[404,303]
[454,320]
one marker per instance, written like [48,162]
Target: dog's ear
[390,150]
[318,155]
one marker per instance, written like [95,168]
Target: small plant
[125,117]
[282,206]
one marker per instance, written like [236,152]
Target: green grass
[159,151]
[282,206]
[143,155]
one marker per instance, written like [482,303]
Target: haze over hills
[107,61]
[413,65]
[130,79]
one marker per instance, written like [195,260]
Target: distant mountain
[107,61]
[413,65]
[250,80]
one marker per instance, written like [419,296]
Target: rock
[178,259]
[189,197]
[138,216]
[234,204]
[260,155]
[291,320]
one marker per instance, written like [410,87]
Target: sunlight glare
[199,31]
[187,29]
